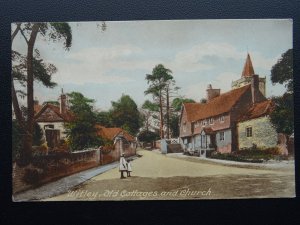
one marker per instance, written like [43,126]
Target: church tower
[247,76]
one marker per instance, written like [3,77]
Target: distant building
[117,136]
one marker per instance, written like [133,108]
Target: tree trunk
[27,141]
[162,136]
[15,104]
[168,114]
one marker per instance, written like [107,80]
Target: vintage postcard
[152,110]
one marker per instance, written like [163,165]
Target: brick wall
[52,167]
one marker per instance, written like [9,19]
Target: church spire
[248,70]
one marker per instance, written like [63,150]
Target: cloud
[203,57]
[98,65]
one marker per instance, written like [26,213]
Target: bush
[16,140]
[32,176]
[253,154]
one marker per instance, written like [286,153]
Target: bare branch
[14,34]
[22,32]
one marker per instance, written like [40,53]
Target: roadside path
[62,185]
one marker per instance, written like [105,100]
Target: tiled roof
[216,106]
[111,132]
[258,110]
[66,117]
[37,108]
[192,110]
[248,70]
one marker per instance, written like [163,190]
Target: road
[156,177]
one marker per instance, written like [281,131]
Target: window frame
[222,136]
[249,132]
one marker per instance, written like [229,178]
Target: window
[211,120]
[248,131]
[49,126]
[221,119]
[222,136]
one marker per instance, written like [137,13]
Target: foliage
[16,140]
[81,132]
[177,102]
[282,117]
[254,155]
[32,176]
[124,113]
[151,106]
[147,136]
[37,135]
[158,83]
[174,125]
[42,71]
[104,118]
[282,71]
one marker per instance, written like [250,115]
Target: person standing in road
[129,168]
[122,166]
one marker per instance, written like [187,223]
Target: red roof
[216,106]
[258,110]
[66,117]
[111,132]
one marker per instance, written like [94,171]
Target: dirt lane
[157,176]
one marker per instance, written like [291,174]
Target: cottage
[52,118]
[255,127]
[115,134]
[212,126]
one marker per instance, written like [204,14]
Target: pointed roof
[41,117]
[248,70]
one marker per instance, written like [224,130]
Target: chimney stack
[254,88]
[63,102]
[36,101]
[212,93]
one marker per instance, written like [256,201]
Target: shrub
[32,176]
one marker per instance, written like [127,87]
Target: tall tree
[81,131]
[282,71]
[169,92]
[149,112]
[30,32]
[282,116]
[125,114]
[157,82]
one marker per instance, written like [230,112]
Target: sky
[103,65]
